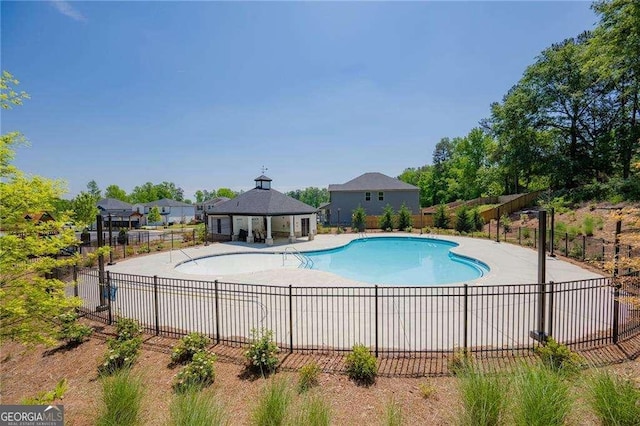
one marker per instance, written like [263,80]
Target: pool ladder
[305,261]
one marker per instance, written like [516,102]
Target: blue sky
[203,94]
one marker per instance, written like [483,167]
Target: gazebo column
[269,239]
[292,235]
[249,229]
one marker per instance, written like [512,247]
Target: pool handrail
[305,261]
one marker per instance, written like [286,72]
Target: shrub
[72,332]
[123,238]
[459,361]
[427,390]
[505,221]
[127,328]
[197,374]
[541,398]
[121,354]
[262,354]
[308,376]
[441,217]
[477,222]
[47,397]
[463,219]
[121,400]
[526,233]
[361,365]
[386,220]
[482,396]
[615,401]
[559,357]
[587,225]
[197,408]
[392,413]
[358,219]
[314,411]
[273,404]
[188,346]
[405,220]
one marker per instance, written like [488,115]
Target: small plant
[587,225]
[273,404]
[505,222]
[199,373]
[541,398]
[308,376]
[441,217]
[427,390]
[188,346]
[121,400]
[526,233]
[127,328]
[463,219]
[615,401]
[477,222]
[358,219]
[72,332]
[122,354]
[123,238]
[392,413]
[361,365]
[386,220]
[313,411]
[197,408]
[405,220]
[559,357]
[47,397]
[262,354]
[524,218]
[482,396]
[459,361]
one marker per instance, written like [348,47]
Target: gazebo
[263,211]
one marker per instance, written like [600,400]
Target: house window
[380,196]
[367,196]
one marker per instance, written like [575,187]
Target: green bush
[615,401]
[505,222]
[308,376]
[273,404]
[197,374]
[361,365]
[441,217]
[262,354]
[313,411]
[122,354]
[121,400]
[358,219]
[588,224]
[127,328]
[386,220]
[483,397]
[477,222]
[188,346]
[72,332]
[559,357]
[195,408]
[463,219]
[405,220]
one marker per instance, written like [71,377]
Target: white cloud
[66,9]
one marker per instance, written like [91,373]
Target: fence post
[489,236]
[375,319]
[465,342]
[290,319]
[110,319]
[566,244]
[193,234]
[217,312]
[124,247]
[584,247]
[535,237]
[75,280]
[616,312]
[519,235]
[603,251]
[551,304]
[155,302]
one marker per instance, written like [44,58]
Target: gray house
[122,214]
[373,191]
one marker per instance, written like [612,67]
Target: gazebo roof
[263,202]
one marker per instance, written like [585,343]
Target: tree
[405,220]
[386,220]
[114,191]
[94,190]
[84,208]
[463,219]
[441,217]
[358,219]
[154,215]
[31,299]
[312,196]
[226,192]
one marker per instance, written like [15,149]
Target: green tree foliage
[154,215]
[31,300]
[226,192]
[358,218]
[94,190]
[202,195]
[386,220]
[477,221]
[405,220]
[312,196]
[84,208]
[153,192]
[441,217]
[463,219]
[114,191]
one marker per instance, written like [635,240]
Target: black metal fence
[392,321]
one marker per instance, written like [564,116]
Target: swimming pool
[377,260]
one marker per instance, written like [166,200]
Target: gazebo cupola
[263,182]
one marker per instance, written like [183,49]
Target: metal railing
[305,261]
[392,321]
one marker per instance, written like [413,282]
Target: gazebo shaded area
[261,214]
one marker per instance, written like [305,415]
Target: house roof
[263,202]
[167,202]
[39,217]
[113,204]
[215,201]
[373,181]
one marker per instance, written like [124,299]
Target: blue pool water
[399,260]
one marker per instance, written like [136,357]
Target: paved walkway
[508,263]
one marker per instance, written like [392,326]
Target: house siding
[348,201]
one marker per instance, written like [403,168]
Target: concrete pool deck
[508,263]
